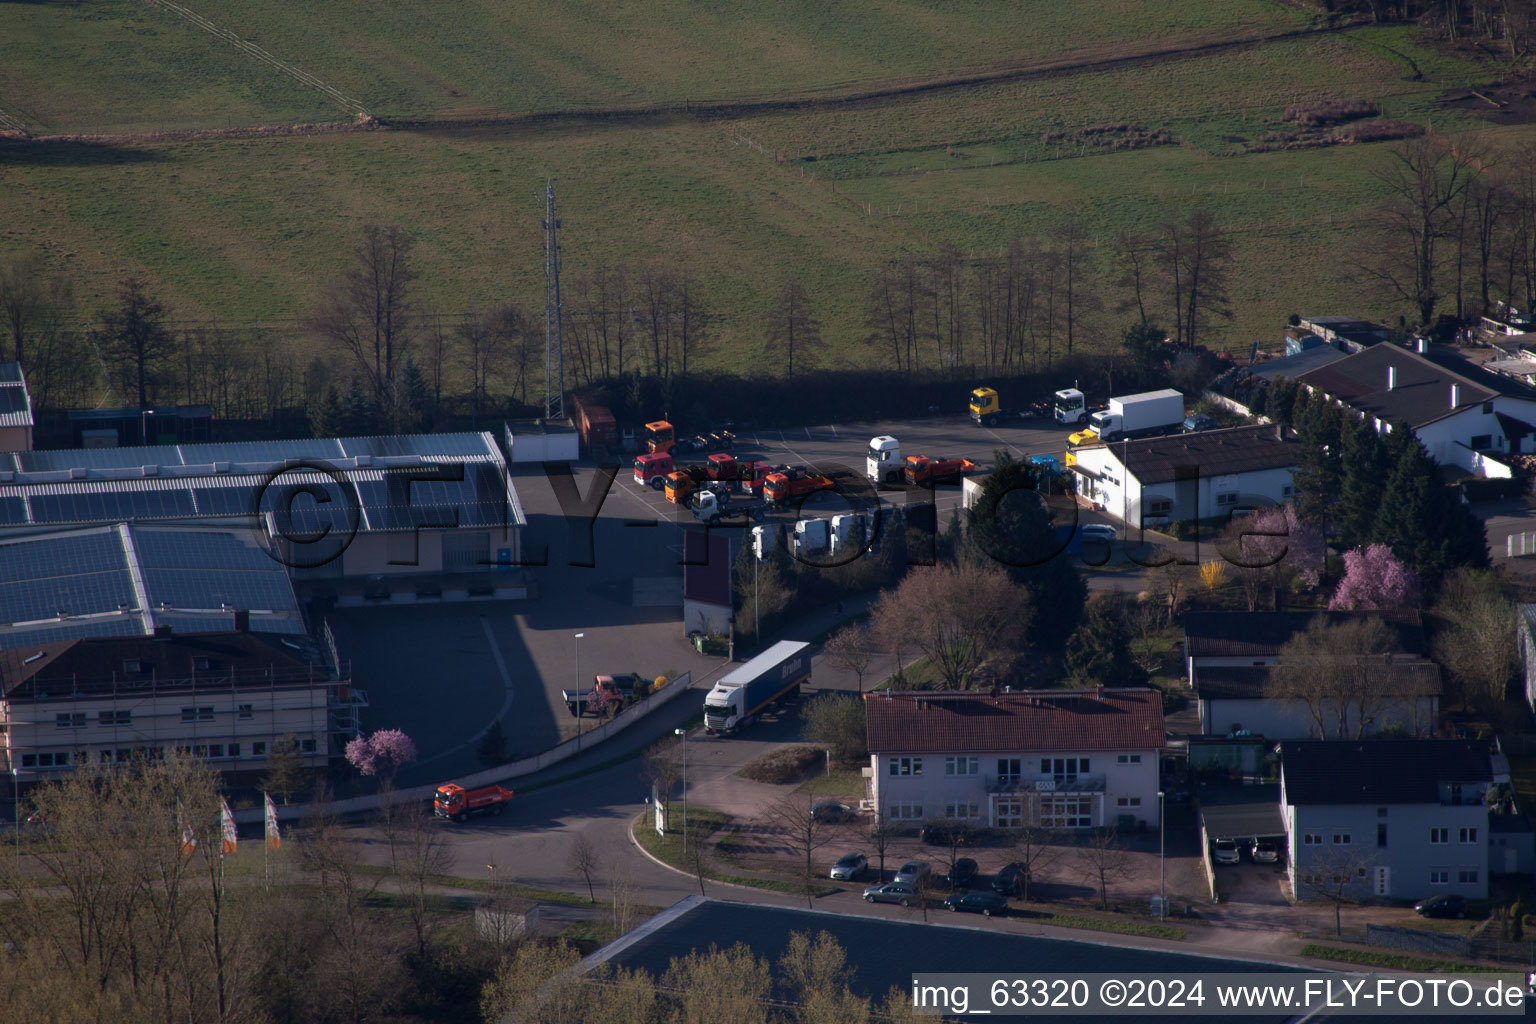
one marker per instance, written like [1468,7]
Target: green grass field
[236,228]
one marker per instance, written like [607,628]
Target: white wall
[705,617]
[1188,501]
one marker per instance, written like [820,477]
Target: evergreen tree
[1424,520]
[1099,652]
[1281,399]
[328,421]
[1365,467]
[359,415]
[1319,471]
[1146,344]
[493,746]
[1010,524]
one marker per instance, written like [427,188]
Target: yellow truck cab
[984,406]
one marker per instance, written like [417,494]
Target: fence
[516,769]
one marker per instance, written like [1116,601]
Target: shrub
[1329,111]
[1178,529]
[783,765]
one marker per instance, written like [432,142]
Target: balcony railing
[1046,784]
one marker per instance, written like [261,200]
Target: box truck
[772,676]
[1145,415]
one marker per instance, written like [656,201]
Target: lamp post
[1162,873]
[580,704]
[684,734]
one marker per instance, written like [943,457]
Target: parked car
[1224,851]
[984,903]
[830,812]
[962,875]
[1266,851]
[912,872]
[1010,880]
[1447,904]
[1098,531]
[1198,422]
[849,866]
[892,892]
[943,833]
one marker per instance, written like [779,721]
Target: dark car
[962,875]
[1198,422]
[830,812]
[891,892]
[946,833]
[1448,904]
[984,903]
[1010,880]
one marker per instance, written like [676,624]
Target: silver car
[892,892]
[849,866]
[912,872]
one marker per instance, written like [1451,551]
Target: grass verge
[1120,926]
[1396,961]
[527,892]
[669,850]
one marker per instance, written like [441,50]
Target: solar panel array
[198,549]
[13,399]
[10,372]
[219,588]
[122,625]
[183,623]
[102,506]
[49,557]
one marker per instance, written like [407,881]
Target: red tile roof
[978,722]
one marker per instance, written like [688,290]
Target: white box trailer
[1143,415]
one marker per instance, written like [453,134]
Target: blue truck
[773,676]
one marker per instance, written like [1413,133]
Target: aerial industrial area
[924,551]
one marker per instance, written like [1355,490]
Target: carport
[1242,814]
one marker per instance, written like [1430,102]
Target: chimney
[1455,395]
[1391,377]
[242,621]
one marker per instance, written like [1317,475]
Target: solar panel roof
[10,371]
[219,588]
[116,625]
[50,557]
[13,399]
[198,549]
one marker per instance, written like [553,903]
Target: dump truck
[786,485]
[683,481]
[651,470]
[922,470]
[612,688]
[773,676]
[455,802]
[882,463]
[750,474]
[595,425]
[714,503]
[987,409]
[1148,414]
[659,436]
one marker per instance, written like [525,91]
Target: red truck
[454,801]
[595,425]
[651,470]
[785,486]
[750,474]
[921,469]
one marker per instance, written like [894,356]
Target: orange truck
[455,802]
[659,436]
[651,470]
[921,469]
[786,485]
[595,425]
[683,481]
[750,474]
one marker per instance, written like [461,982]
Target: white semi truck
[1145,415]
[773,676]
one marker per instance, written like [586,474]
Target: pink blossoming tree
[381,754]
[1375,580]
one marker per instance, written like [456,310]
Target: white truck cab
[1071,406]
[882,462]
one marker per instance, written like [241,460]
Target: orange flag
[227,819]
[188,839]
[274,834]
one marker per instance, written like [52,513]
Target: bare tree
[1345,674]
[33,305]
[1474,635]
[419,857]
[881,835]
[794,817]
[958,615]
[621,886]
[696,857]
[1336,874]
[367,313]
[1105,860]
[661,765]
[136,343]
[1034,849]
[791,325]
[1136,255]
[852,649]
[1207,256]
[584,861]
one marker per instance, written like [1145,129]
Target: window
[1467,835]
[1128,801]
[1226,498]
[245,711]
[1008,769]
[1381,836]
[1288,491]
[69,720]
[108,718]
[29,760]
[1010,813]
[1480,442]
[204,714]
[59,760]
[132,666]
[234,750]
[899,765]
[308,747]
[907,812]
[962,766]
[259,748]
[960,810]
[1127,759]
[1439,835]
[215,750]
[1439,876]
[1063,769]
[1466,876]
[1158,507]
[1312,839]
[1341,839]
[1066,812]
[124,755]
[104,757]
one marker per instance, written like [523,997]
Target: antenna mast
[554,352]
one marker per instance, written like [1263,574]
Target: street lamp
[580,704]
[684,734]
[1162,870]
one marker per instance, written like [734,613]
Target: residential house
[1243,639]
[1403,694]
[1453,408]
[1071,759]
[223,697]
[1202,476]
[1399,819]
